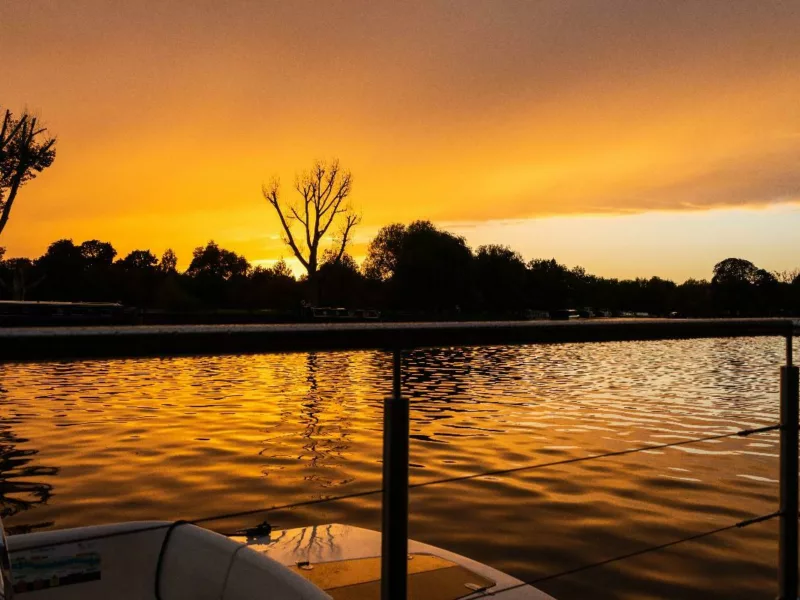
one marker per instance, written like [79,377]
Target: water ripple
[97,441]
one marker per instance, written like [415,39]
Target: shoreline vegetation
[417,272]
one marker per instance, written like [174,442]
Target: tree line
[418,270]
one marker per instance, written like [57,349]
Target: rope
[161,554]
[635,553]
[247,513]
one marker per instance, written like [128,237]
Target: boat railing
[400,338]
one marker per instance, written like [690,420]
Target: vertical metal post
[787,542]
[394,533]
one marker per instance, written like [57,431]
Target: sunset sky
[636,137]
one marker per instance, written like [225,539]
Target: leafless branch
[271,193]
[322,191]
[351,220]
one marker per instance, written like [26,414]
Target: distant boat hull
[564,315]
[343,314]
[24,313]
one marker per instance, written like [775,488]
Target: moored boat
[164,560]
[21,313]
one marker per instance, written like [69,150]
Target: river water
[109,440]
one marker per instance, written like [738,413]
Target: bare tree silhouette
[322,204]
[25,151]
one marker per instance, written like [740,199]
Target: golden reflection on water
[99,441]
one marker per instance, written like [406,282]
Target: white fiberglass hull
[146,560]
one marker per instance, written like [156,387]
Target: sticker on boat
[54,567]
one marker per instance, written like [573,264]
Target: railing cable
[635,553]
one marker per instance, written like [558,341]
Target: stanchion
[394,534]
[787,542]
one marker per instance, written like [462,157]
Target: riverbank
[63,343]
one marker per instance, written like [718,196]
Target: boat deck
[345,562]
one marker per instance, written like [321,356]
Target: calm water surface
[109,440]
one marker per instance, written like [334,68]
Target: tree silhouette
[62,267]
[693,298]
[25,151]
[500,276]
[274,287]
[217,274]
[97,277]
[734,285]
[550,284]
[322,204]
[97,254]
[767,292]
[19,277]
[281,269]
[139,260]
[137,277]
[340,281]
[384,252]
[414,271]
[169,262]
[213,261]
[734,271]
[430,268]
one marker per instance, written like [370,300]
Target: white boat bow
[164,561]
